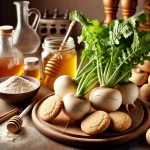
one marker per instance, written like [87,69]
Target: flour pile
[16,85]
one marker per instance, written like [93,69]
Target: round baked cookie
[51,107]
[120,121]
[95,123]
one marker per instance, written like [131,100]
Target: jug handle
[36,19]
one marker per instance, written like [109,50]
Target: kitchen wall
[93,9]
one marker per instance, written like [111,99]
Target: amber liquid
[33,73]
[68,67]
[10,66]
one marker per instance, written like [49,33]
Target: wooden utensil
[15,123]
[8,115]
[110,9]
[53,66]
[128,8]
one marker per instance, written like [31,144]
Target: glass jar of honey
[11,59]
[57,60]
[32,67]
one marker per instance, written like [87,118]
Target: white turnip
[64,85]
[147,135]
[149,79]
[129,92]
[139,77]
[145,92]
[145,67]
[76,108]
[106,99]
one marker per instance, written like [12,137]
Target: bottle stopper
[6,29]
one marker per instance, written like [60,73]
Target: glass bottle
[25,37]
[11,59]
[56,61]
[32,67]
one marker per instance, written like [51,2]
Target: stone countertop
[30,138]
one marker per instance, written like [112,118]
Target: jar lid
[31,60]
[6,29]
[57,41]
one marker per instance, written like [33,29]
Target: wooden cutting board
[73,135]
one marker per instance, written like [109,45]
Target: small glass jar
[32,67]
[11,59]
[57,60]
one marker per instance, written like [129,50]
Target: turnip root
[147,135]
[129,92]
[76,108]
[145,67]
[139,77]
[88,94]
[64,85]
[106,99]
[145,92]
[149,79]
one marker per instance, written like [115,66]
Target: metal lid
[31,61]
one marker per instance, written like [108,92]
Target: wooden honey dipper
[53,65]
[14,124]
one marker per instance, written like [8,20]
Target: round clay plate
[70,132]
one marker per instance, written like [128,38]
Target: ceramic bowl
[21,97]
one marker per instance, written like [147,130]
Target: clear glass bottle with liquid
[32,67]
[11,59]
[57,60]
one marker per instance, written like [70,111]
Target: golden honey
[58,62]
[32,73]
[10,66]
[68,67]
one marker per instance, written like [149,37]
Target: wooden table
[32,139]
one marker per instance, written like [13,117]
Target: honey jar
[32,67]
[58,60]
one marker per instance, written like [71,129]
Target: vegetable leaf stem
[110,51]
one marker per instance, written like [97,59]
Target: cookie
[95,123]
[120,121]
[51,107]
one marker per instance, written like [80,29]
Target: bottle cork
[6,29]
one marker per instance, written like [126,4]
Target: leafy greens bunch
[110,51]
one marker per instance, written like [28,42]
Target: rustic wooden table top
[31,138]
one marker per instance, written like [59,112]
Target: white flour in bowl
[16,85]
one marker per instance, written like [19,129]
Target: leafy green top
[113,49]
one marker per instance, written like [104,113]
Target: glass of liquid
[58,60]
